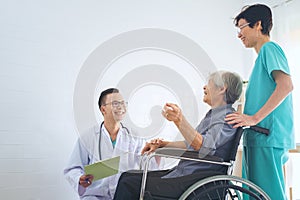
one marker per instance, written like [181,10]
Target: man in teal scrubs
[268,104]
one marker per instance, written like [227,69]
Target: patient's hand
[173,113]
[157,141]
[149,148]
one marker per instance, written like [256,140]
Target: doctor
[109,140]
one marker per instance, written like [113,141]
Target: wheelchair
[219,186]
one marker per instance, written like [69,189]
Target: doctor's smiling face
[114,107]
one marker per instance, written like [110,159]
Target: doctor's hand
[240,120]
[86,180]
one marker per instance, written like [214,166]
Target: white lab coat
[86,151]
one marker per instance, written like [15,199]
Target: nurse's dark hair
[233,83]
[255,13]
[102,98]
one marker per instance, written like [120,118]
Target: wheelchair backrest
[235,143]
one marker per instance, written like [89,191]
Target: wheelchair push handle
[259,129]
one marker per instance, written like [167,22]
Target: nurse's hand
[240,120]
[86,180]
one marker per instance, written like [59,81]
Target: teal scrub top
[260,87]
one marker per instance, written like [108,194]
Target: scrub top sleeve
[275,59]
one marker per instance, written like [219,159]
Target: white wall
[44,45]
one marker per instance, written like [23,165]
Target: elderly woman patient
[212,136]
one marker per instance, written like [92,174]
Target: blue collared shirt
[217,136]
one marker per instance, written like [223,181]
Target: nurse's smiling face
[249,36]
[114,107]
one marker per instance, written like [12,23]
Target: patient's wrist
[164,143]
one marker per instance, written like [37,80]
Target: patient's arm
[173,113]
[158,143]
[190,134]
[175,144]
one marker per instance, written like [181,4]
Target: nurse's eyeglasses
[239,28]
[116,104]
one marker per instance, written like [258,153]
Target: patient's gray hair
[232,81]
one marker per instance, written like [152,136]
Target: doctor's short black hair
[102,98]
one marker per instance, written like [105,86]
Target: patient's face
[211,93]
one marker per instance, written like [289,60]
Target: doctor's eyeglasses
[116,104]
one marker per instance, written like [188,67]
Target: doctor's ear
[102,109]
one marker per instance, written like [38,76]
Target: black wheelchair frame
[225,186]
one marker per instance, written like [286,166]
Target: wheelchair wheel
[224,187]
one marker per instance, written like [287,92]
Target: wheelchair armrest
[183,153]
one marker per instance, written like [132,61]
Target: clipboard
[103,168]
